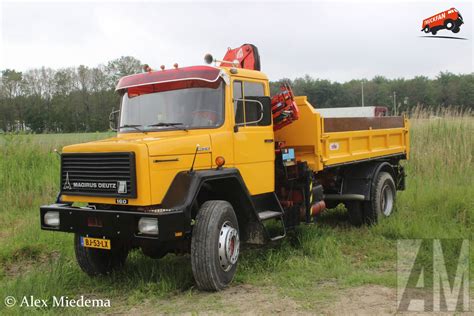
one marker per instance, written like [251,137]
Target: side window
[253,109]
[252,89]
[246,109]
[238,103]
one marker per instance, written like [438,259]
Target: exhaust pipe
[344,197]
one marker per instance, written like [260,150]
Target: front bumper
[89,221]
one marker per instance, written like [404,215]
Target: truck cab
[201,113]
[204,158]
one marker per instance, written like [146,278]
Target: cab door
[254,153]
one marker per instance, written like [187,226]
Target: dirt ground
[239,299]
[251,300]
[365,300]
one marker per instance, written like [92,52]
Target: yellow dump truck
[204,159]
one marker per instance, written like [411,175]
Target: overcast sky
[332,40]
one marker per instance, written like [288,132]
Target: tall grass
[438,203]
[424,112]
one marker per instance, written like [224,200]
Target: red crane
[284,108]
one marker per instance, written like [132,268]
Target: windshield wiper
[134,126]
[179,126]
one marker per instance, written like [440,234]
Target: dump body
[327,142]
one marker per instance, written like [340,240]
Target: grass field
[309,268]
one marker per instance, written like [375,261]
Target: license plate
[95,243]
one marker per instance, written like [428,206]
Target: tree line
[446,90]
[79,99]
[74,99]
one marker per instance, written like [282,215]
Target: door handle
[269,140]
[165,160]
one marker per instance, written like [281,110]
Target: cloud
[331,40]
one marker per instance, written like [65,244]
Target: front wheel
[456,29]
[215,246]
[99,261]
[449,24]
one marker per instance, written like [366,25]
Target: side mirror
[113,119]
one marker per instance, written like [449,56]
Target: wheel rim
[449,25]
[387,200]
[229,245]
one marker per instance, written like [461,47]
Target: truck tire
[382,198]
[98,261]
[215,246]
[426,29]
[355,213]
[434,32]
[456,29]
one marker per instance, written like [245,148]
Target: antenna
[194,159]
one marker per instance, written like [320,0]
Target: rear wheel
[382,199]
[215,246]
[426,29]
[434,32]
[99,261]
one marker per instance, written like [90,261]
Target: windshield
[184,109]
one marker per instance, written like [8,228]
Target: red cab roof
[199,73]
